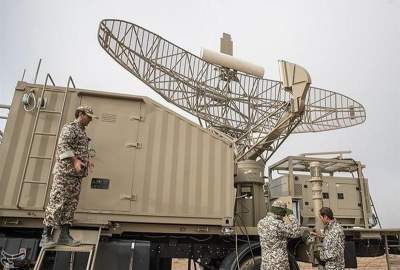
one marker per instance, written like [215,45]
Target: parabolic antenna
[257,113]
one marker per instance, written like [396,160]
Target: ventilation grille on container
[107,117]
[298,190]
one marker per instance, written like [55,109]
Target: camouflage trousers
[275,260]
[334,265]
[63,201]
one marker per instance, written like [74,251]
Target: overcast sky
[352,47]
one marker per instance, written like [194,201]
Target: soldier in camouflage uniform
[71,166]
[331,252]
[274,233]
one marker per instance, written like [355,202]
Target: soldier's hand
[316,233]
[91,166]
[77,165]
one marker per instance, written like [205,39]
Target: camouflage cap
[87,110]
[279,204]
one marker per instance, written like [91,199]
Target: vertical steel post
[37,71]
[387,253]
[23,75]
[316,188]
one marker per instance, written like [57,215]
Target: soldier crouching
[71,166]
[274,233]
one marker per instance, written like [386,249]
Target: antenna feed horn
[296,80]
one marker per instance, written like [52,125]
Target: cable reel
[30,102]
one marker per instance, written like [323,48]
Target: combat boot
[65,238]
[47,239]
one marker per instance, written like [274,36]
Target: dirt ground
[377,263]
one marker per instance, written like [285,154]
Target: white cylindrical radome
[229,61]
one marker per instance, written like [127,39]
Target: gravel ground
[376,263]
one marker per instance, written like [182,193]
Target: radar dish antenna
[257,114]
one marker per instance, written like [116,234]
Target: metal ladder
[35,133]
[89,244]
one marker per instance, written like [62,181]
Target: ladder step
[35,182]
[80,248]
[45,133]
[30,208]
[48,111]
[39,157]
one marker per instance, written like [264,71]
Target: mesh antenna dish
[253,111]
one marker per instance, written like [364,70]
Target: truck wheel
[247,261]
[250,263]
[165,263]
[293,263]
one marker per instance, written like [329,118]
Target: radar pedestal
[250,202]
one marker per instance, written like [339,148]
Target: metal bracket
[202,229]
[136,117]
[131,197]
[136,145]
[16,221]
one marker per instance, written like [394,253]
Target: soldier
[274,233]
[71,166]
[331,252]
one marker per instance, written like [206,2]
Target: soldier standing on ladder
[71,166]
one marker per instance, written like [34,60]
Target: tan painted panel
[14,148]
[350,200]
[13,151]
[110,135]
[182,169]
[161,167]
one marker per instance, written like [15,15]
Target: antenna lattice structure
[246,108]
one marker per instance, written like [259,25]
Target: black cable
[244,233]
[248,238]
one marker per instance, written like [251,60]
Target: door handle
[130,197]
[136,145]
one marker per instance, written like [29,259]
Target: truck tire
[246,259]
[165,263]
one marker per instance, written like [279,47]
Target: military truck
[165,187]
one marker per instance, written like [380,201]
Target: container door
[114,138]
